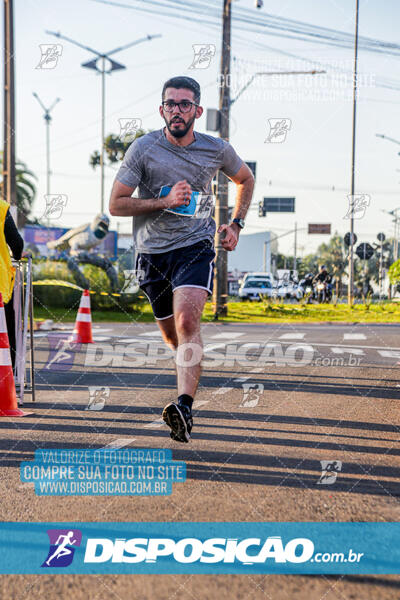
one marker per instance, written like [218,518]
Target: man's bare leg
[168,332]
[188,307]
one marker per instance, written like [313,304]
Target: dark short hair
[183,82]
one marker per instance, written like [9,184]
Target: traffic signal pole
[220,294]
[350,291]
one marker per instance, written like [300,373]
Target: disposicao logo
[62,547]
[190,550]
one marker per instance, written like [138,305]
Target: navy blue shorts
[162,274]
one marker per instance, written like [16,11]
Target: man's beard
[179,133]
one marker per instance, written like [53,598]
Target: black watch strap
[239,222]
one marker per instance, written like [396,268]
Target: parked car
[254,289]
[258,275]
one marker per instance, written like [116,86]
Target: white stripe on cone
[87,318]
[5,357]
[85,302]
[3,323]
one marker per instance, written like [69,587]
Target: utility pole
[47,120]
[9,182]
[350,291]
[295,248]
[221,209]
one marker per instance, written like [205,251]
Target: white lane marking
[120,443]
[257,370]
[101,329]
[222,390]
[292,336]
[127,340]
[26,486]
[354,336]
[339,346]
[101,338]
[155,424]
[343,350]
[240,379]
[155,333]
[227,335]
[389,354]
[209,347]
[199,403]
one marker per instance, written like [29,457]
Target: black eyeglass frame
[179,105]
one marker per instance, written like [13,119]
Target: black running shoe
[179,419]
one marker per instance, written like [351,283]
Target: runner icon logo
[203,53]
[98,397]
[50,53]
[251,394]
[128,129]
[62,547]
[330,469]
[278,129]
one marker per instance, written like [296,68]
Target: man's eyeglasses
[184,106]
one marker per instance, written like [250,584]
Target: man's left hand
[231,237]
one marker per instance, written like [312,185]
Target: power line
[245,18]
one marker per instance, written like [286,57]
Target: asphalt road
[274,401]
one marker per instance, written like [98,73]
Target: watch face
[239,222]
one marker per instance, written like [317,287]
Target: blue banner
[103,472]
[195,548]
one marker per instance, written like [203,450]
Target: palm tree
[26,191]
[115,149]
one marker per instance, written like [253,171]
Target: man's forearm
[126,206]
[244,195]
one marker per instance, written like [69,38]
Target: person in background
[9,236]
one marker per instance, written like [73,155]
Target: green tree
[394,274]
[115,149]
[26,191]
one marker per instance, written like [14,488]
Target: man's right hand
[179,195]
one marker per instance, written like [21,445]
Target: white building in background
[253,252]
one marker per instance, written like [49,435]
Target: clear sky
[312,164]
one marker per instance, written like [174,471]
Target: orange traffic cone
[8,397]
[82,333]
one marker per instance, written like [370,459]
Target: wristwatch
[239,222]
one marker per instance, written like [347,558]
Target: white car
[259,276]
[252,289]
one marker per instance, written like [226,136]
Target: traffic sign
[364,251]
[252,166]
[381,237]
[320,228]
[347,239]
[279,204]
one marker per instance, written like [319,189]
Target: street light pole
[114,66]
[47,120]
[350,291]
[103,125]
[9,180]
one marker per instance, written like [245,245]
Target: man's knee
[186,323]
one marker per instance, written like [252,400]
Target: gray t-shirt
[152,162]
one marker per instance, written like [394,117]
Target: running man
[62,550]
[175,253]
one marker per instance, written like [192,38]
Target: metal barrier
[23,307]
